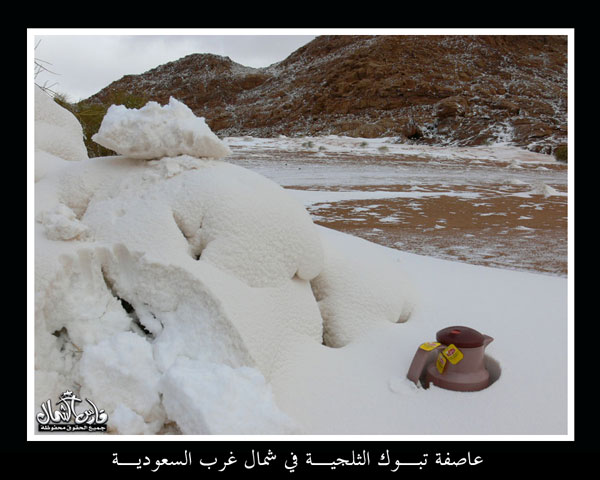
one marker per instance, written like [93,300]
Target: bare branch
[39,68]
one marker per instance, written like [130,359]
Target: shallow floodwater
[498,206]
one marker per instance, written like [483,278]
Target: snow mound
[540,188]
[196,209]
[175,291]
[154,131]
[149,270]
[357,293]
[57,131]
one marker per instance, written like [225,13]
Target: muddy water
[507,211]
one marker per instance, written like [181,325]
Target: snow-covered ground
[496,205]
[186,294]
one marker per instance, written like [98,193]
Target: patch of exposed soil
[509,231]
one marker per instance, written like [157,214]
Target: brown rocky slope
[435,89]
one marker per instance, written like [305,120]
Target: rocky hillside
[461,90]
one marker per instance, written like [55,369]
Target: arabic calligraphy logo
[65,417]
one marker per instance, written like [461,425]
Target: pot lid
[462,337]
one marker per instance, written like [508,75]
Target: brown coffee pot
[459,363]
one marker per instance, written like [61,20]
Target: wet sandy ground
[506,213]
[493,230]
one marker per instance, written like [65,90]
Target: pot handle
[418,363]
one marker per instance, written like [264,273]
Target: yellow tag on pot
[453,354]
[429,346]
[440,363]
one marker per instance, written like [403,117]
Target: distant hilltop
[431,89]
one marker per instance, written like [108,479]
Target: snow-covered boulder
[154,131]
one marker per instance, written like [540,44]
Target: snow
[156,131]
[358,290]
[57,132]
[183,293]
[122,359]
[388,146]
[525,313]
[308,197]
[62,224]
[235,401]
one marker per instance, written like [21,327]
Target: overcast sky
[85,63]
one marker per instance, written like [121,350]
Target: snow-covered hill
[426,89]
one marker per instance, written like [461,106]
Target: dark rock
[452,107]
